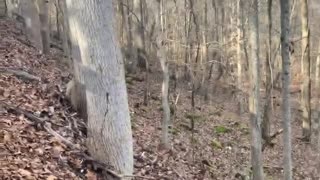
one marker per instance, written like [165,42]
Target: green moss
[221,129]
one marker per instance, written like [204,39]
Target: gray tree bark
[102,73]
[265,128]
[256,154]
[65,27]
[161,54]
[305,69]
[43,11]
[317,87]
[239,56]
[286,112]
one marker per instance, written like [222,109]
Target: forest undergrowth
[41,137]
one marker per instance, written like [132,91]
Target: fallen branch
[19,73]
[276,134]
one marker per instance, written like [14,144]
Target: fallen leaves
[28,151]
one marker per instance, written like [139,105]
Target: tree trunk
[317,87]
[28,10]
[165,103]
[256,154]
[43,6]
[102,72]
[65,27]
[305,69]
[239,56]
[161,54]
[286,112]
[265,128]
[3,8]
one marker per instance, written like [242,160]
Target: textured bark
[164,94]
[239,56]
[28,10]
[317,87]
[205,76]
[44,20]
[65,27]
[102,73]
[76,93]
[3,8]
[286,111]
[305,69]
[265,128]
[255,117]
[161,54]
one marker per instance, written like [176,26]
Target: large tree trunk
[305,69]
[102,72]
[256,154]
[286,113]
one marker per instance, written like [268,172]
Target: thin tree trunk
[161,54]
[256,154]
[65,25]
[244,34]
[286,112]
[102,72]
[317,87]
[265,128]
[43,6]
[305,69]
[239,56]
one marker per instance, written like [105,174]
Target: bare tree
[305,70]
[256,154]
[102,72]
[239,56]
[265,127]
[317,87]
[44,20]
[161,54]
[286,113]
[65,27]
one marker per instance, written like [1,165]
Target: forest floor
[41,137]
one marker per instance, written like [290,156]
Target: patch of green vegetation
[216,144]
[221,129]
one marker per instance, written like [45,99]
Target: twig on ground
[20,73]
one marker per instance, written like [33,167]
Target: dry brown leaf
[91,176]
[52,177]
[6,137]
[57,150]
[25,173]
